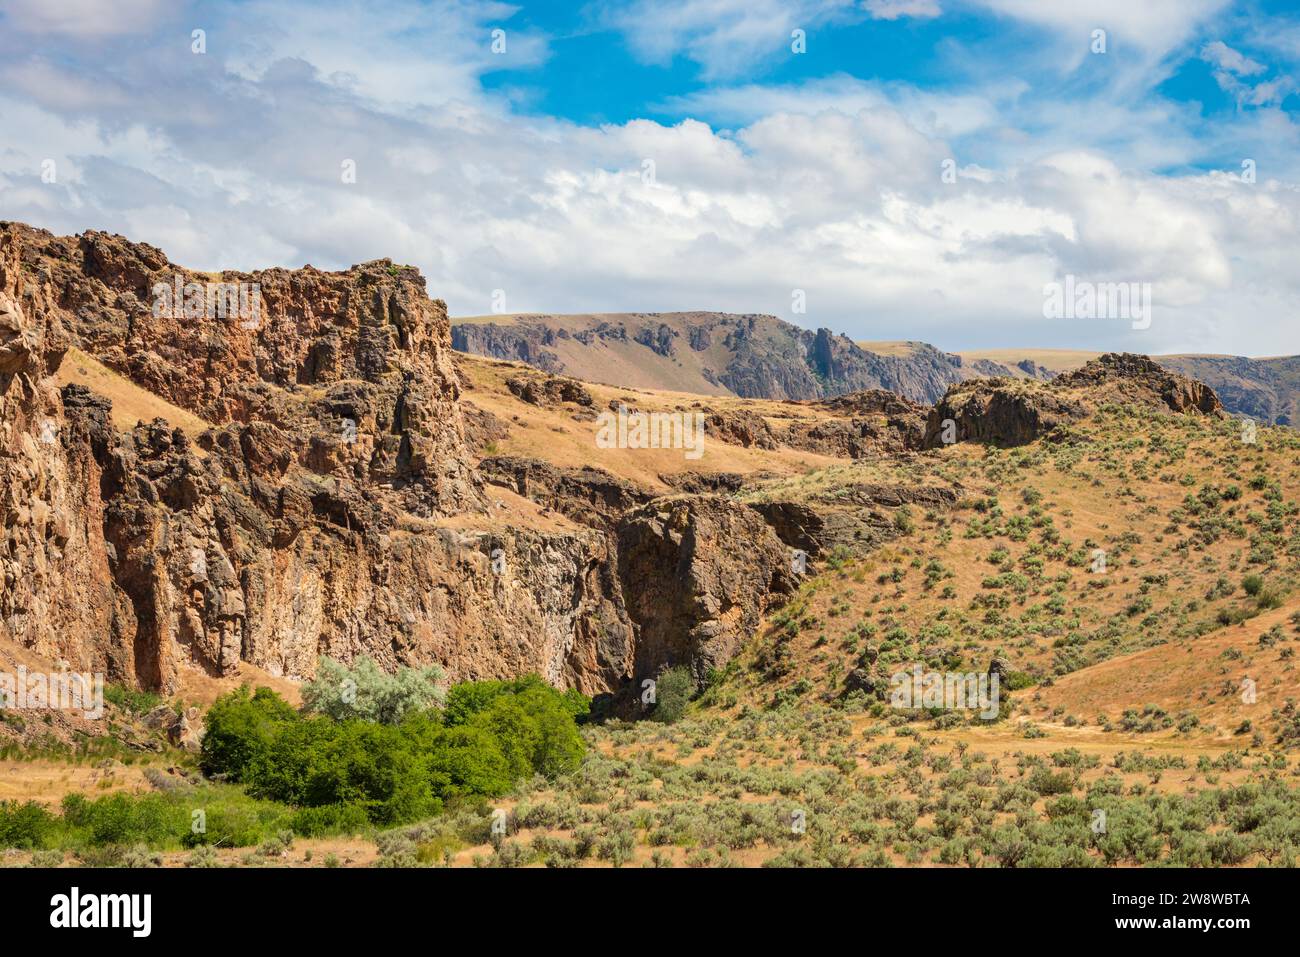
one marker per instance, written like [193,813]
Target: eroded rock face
[698,574]
[359,357]
[854,518]
[313,519]
[241,555]
[333,507]
[999,412]
[739,427]
[549,390]
[588,495]
[1016,411]
[56,593]
[1136,379]
[520,343]
[871,423]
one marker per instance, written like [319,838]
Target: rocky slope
[306,522]
[1267,390]
[765,357]
[752,356]
[1017,411]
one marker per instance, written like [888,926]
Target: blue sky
[646,155]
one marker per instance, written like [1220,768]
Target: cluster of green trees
[355,762]
[367,749]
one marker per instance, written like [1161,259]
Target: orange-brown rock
[332,508]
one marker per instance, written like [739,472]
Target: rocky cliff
[332,507]
[752,356]
[324,496]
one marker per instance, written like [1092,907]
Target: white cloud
[83,19]
[1153,25]
[832,186]
[1232,66]
[896,9]
[1226,58]
[942,115]
[725,37]
[411,53]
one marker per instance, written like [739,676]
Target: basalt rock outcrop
[311,519]
[588,495]
[332,507]
[1015,411]
[999,412]
[549,390]
[56,596]
[875,422]
[852,518]
[1139,380]
[739,427]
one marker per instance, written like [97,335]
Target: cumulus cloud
[863,195]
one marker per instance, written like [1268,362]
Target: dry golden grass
[554,435]
[131,404]
[46,782]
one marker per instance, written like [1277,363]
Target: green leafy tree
[241,728]
[367,692]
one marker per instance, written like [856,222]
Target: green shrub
[673,690]
[241,728]
[128,699]
[27,826]
[329,819]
